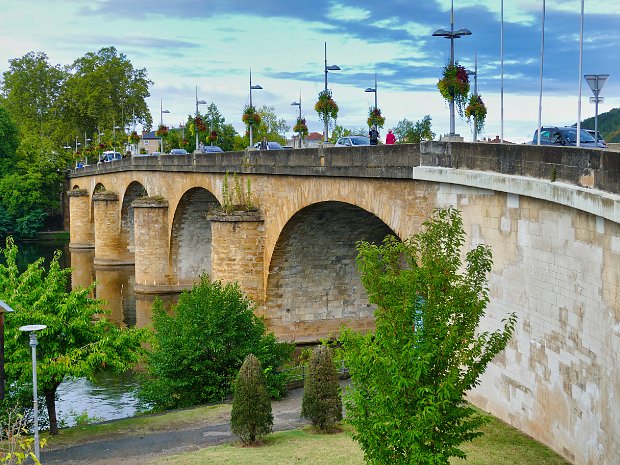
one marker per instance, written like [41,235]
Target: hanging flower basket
[162,131]
[301,127]
[476,112]
[326,107]
[374,117]
[455,84]
[250,116]
[134,138]
[200,125]
[101,146]
[212,137]
[184,143]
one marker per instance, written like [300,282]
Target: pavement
[134,450]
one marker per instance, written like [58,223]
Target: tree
[270,126]
[9,141]
[31,87]
[408,131]
[77,342]
[410,376]
[251,415]
[198,349]
[321,402]
[104,90]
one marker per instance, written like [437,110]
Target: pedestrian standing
[374,135]
[390,139]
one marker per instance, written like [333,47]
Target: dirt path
[134,450]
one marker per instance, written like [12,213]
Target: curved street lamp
[161,121]
[252,87]
[299,105]
[373,90]
[198,102]
[327,68]
[452,34]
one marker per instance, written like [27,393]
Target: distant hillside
[608,125]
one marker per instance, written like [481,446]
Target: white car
[351,141]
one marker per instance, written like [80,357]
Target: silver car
[350,141]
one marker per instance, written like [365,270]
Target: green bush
[198,349]
[321,403]
[251,415]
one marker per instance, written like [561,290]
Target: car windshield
[360,140]
[571,135]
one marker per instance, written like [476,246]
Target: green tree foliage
[198,349]
[251,415]
[409,377]
[321,403]
[31,87]
[29,187]
[270,126]
[9,141]
[608,124]
[410,132]
[103,90]
[77,342]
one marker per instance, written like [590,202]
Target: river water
[109,396]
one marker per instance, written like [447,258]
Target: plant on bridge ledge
[476,112]
[409,377]
[375,118]
[236,200]
[454,84]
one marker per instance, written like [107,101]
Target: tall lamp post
[32,329]
[161,121]
[474,73]
[452,34]
[4,308]
[373,90]
[299,105]
[596,83]
[327,68]
[252,87]
[198,102]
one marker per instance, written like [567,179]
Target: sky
[212,45]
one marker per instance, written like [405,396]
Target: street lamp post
[198,102]
[474,73]
[161,122]
[596,83]
[86,141]
[452,34]
[299,105]
[327,68]
[32,329]
[114,128]
[373,90]
[4,308]
[252,87]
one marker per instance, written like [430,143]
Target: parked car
[178,152]
[601,142]
[270,146]
[566,136]
[109,156]
[212,149]
[350,141]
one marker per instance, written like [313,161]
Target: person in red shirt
[390,138]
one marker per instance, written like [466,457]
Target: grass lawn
[500,445]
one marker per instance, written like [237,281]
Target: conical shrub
[321,403]
[251,415]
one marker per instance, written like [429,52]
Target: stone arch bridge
[551,216]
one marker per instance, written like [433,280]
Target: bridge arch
[134,191]
[314,285]
[191,239]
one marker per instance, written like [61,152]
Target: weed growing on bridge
[239,200]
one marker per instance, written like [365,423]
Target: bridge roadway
[551,216]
